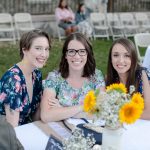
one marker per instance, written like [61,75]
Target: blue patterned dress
[69,96]
[13,92]
[139,77]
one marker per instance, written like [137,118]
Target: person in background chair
[65,17]
[82,20]
[21,85]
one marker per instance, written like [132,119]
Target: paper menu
[64,133]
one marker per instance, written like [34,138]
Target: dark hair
[112,75]
[60,4]
[27,40]
[89,68]
[79,7]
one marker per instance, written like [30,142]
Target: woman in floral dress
[123,67]
[65,89]
[21,85]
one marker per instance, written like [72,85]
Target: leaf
[97,92]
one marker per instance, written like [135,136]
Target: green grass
[9,55]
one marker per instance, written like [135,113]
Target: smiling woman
[123,67]
[21,85]
[65,89]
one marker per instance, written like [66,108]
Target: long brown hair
[112,75]
[60,5]
[89,68]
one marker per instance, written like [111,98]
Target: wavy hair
[27,40]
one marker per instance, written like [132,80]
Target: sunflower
[89,102]
[138,99]
[129,113]
[118,87]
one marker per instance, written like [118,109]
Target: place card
[64,133]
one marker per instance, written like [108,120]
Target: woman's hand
[53,102]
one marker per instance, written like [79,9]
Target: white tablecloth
[31,137]
[135,137]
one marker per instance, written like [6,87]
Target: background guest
[65,17]
[82,20]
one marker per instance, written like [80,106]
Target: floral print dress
[13,92]
[69,96]
[139,77]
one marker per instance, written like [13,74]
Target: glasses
[72,52]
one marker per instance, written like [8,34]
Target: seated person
[65,89]
[65,17]
[82,20]
[21,85]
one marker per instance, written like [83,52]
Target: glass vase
[112,138]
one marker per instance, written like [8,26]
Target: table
[135,137]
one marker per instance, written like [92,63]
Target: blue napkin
[97,136]
[54,144]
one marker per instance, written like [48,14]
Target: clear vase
[112,139]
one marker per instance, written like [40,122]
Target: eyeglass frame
[77,51]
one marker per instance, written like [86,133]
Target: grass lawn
[9,55]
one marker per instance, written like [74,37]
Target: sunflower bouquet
[115,106]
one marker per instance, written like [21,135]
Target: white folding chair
[7,31]
[60,32]
[99,25]
[23,23]
[143,21]
[115,26]
[141,40]
[129,23]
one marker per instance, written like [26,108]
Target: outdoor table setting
[36,135]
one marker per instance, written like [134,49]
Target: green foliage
[9,55]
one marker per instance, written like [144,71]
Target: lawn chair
[23,23]
[7,31]
[115,26]
[60,32]
[99,25]
[143,21]
[129,23]
[141,40]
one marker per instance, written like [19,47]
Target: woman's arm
[51,110]
[12,116]
[146,94]
[36,115]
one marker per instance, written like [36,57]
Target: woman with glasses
[21,85]
[65,88]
